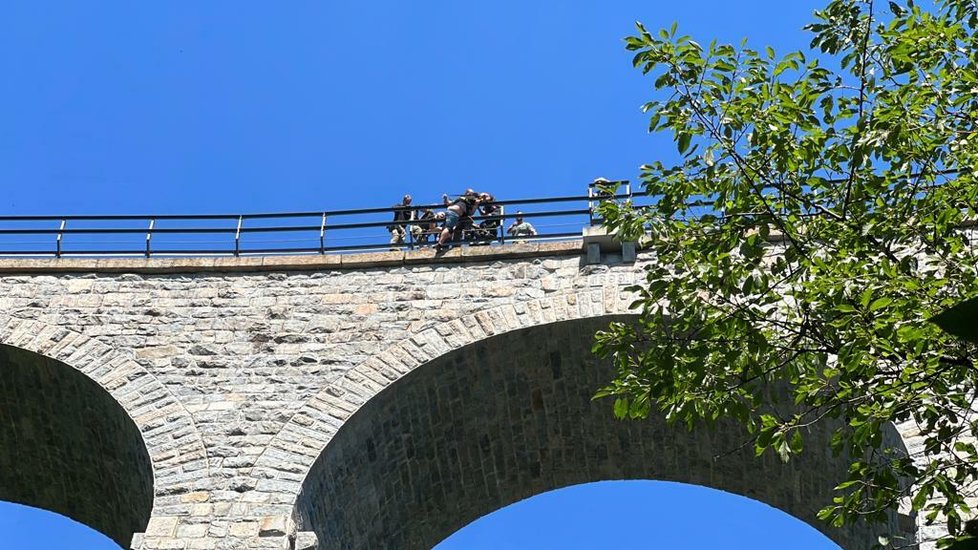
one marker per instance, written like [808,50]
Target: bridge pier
[268,533]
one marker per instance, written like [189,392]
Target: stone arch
[508,416]
[116,393]
[292,451]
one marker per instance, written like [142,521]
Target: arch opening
[512,416]
[637,514]
[66,445]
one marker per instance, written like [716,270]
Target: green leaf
[960,320]
[966,543]
[682,141]
[880,303]
[621,408]
[815,216]
[784,450]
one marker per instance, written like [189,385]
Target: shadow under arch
[66,445]
[511,416]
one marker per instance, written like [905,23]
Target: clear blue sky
[231,106]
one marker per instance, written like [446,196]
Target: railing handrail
[157,232]
[309,214]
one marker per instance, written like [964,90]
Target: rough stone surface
[511,416]
[64,436]
[239,372]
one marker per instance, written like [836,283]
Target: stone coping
[310,262]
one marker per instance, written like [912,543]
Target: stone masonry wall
[239,372]
[512,416]
[67,446]
[238,354]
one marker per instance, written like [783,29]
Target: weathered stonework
[511,416]
[239,373]
[60,425]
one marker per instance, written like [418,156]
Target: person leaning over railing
[463,206]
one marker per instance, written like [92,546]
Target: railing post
[590,204]
[60,234]
[322,235]
[149,236]
[410,234]
[237,237]
[502,224]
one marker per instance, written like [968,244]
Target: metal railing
[318,232]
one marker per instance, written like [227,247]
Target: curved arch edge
[175,446]
[304,437]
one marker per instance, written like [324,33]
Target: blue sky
[232,106]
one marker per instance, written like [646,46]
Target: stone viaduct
[377,400]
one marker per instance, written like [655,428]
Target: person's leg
[451,221]
[416,232]
[397,236]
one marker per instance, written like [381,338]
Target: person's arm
[444,199]
[533,230]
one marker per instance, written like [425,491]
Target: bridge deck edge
[338,262]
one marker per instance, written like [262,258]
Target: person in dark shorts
[463,206]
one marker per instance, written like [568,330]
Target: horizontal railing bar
[271,229]
[257,216]
[95,236]
[116,231]
[230,252]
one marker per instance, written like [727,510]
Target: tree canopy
[819,216]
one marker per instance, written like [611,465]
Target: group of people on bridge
[455,223]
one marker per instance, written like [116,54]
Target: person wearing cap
[520,228]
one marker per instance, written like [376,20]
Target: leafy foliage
[818,217]
[961,320]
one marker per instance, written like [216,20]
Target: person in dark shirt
[427,226]
[402,213]
[462,207]
[488,229]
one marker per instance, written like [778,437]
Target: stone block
[161,527]
[628,253]
[274,526]
[192,530]
[306,540]
[196,496]
[243,529]
[593,253]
